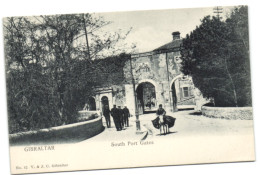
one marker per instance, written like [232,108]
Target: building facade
[157,78]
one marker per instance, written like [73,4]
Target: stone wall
[87,115]
[233,113]
[188,101]
[61,134]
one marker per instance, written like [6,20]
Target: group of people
[120,116]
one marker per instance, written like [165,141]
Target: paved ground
[111,134]
[188,123]
[194,139]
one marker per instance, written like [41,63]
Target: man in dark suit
[126,116]
[106,113]
[121,116]
[115,115]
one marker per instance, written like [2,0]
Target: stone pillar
[167,96]
[110,100]
[130,99]
[159,95]
[97,102]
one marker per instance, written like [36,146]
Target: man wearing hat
[121,117]
[126,116]
[115,115]
[106,113]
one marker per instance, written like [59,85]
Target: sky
[153,28]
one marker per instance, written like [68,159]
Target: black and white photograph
[128,89]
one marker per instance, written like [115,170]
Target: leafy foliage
[216,55]
[48,69]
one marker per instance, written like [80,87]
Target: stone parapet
[87,115]
[60,134]
[232,113]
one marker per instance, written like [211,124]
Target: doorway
[146,98]
[104,102]
[174,97]
[92,104]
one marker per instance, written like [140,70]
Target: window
[185,91]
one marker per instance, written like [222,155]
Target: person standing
[121,116]
[114,113]
[106,113]
[126,116]
[154,102]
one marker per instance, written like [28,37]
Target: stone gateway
[158,80]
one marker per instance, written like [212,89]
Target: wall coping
[85,111]
[56,128]
[212,107]
[233,113]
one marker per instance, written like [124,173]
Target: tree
[49,71]
[216,55]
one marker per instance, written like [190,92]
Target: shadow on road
[195,113]
[167,133]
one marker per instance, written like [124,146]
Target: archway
[173,85]
[92,104]
[146,97]
[104,102]
[174,97]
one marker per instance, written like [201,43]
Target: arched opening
[174,97]
[92,104]
[146,97]
[182,95]
[104,102]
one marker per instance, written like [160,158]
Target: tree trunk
[86,35]
[232,82]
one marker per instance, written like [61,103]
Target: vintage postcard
[128,89]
